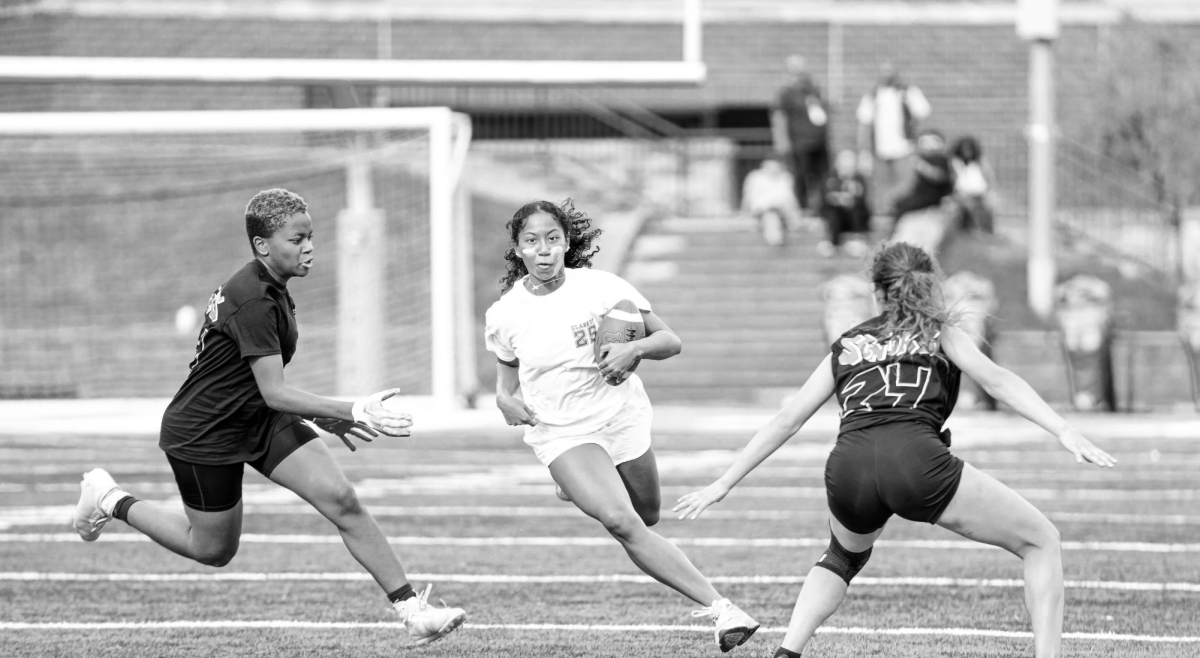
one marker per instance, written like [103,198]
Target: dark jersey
[882,379]
[217,415]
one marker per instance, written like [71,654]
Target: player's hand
[1083,449]
[515,411]
[344,429]
[616,359]
[370,411]
[692,505]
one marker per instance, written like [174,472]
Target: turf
[489,486]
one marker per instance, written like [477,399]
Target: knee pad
[841,561]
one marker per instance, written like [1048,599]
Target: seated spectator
[767,197]
[846,212]
[933,179]
[972,185]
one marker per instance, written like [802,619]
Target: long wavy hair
[575,224]
[911,286]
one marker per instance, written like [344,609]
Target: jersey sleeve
[494,337]
[255,328]
[616,289]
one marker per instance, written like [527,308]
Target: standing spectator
[845,208]
[767,197]
[888,118]
[800,129]
[972,185]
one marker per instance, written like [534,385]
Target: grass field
[470,510]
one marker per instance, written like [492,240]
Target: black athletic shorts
[216,488]
[903,468]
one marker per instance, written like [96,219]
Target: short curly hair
[269,210]
[575,223]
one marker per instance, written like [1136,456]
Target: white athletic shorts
[625,438]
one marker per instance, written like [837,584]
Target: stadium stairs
[749,313]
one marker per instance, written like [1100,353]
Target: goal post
[220,151]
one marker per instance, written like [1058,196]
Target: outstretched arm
[774,434]
[268,375]
[1005,386]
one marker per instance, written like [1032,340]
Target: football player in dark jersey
[235,408]
[896,378]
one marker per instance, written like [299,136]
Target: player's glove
[370,411]
[344,429]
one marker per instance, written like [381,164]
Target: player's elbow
[275,397]
[674,344]
[998,382]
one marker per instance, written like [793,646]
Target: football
[623,323]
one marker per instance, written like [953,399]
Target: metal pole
[1041,272]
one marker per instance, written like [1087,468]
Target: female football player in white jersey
[594,436]
[235,408]
[896,378]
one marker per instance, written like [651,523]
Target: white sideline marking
[733,542]
[619,628]
[353,576]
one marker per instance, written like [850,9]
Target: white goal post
[360,320]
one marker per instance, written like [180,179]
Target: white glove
[371,412]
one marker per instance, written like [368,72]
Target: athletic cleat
[426,623]
[97,496]
[562,495]
[733,626]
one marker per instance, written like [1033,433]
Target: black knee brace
[841,561]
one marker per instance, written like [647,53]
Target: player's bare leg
[589,478]
[641,483]
[587,474]
[209,538]
[987,511]
[823,590]
[313,474]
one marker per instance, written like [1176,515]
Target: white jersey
[553,337]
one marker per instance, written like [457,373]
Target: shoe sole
[453,625]
[735,637]
[89,532]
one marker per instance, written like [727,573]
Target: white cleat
[97,496]
[734,627]
[426,623]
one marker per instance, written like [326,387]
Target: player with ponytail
[896,379]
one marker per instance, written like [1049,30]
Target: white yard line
[55,515]
[576,628]
[454,484]
[719,542]
[353,576]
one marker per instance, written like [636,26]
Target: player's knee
[841,561]
[649,516]
[1046,537]
[217,555]
[620,523]
[341,501]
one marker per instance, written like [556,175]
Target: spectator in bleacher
[800,131]
[767,197]
[972,185]
[847,214]
[932,178]
[889,116]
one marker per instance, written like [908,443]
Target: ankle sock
[121,509]
[405,592]
[784,653]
